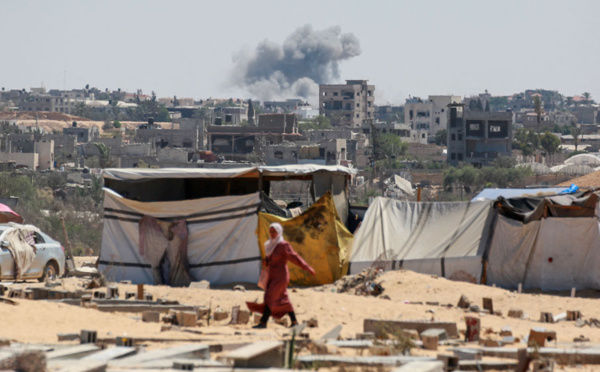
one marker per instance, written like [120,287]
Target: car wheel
[50,272]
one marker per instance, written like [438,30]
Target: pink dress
[276,296]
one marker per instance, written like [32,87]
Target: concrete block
[202,312]
[88,336]
[124,341]
[488,304]
[546,317]
[468,354]
[430,342]
[440,333]
[39,293]
[450,361]
[112,292]
[129,295]
[220,314]
[148,297]
[239,316]
[203,284]
[263,354]
[413,334]
[539,337]
[506,331]
[436,366]
[365,336]
[515,313]
[256,318]
[473,328]
[67,336]
[464,302]
[573,314]
[186,318]
[151,316]
[381,327]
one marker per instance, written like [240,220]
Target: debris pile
[361,284]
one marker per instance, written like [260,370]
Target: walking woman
[276,302]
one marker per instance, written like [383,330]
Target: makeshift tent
[221,239]
[152,208]
[551,243]
[318,236]
[445,239]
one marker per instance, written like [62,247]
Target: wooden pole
[419,189]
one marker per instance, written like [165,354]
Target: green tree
[392,145]
[105,158]
[587,97]
[319,122]
[441,138]
[550,143]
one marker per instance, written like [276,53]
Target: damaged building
[347,104]
[478,137]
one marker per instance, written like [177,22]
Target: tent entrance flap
[221,239]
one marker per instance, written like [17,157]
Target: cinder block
[243,317]
[67,336]
[430,342]
[220,314]
[573,314]
[202,312]
[464,302]
[112,292]
[539,336]
[546,317]
[124,341]
[88,336]
[186,318]
[151,316]
[441,334]
[515,313]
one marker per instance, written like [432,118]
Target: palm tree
[587,97]
[575,132]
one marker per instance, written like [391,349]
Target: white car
[46,263]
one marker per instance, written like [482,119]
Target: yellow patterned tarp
[319,236]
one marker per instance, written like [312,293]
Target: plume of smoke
[307,58]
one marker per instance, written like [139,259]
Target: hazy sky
[187,48]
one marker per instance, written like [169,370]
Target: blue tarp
[493,194]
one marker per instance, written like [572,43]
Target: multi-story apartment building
[347,104]
[429,115]
[478,137]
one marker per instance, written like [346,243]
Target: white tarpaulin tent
[549,243]
[445,239]
[221,238]
[542,254]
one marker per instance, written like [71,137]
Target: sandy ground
[40,321]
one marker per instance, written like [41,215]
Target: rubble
[361,284]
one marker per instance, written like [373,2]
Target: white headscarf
[272,243]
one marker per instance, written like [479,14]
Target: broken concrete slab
[72,352]
[440,333]
[485,365]
[433,366]
[515,313]
[468,354]
[151,316]
[263,354]
[76,366]
[203,284]
[430,342]
[464,302]
[333,334]
[539,336]
[191,351]
[340,360]
[351,344]
[110,353]
[380,326]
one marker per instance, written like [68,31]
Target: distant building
[429,115]
[83,134]
[347,104]
[478,137]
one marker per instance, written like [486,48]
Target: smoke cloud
[307,58]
